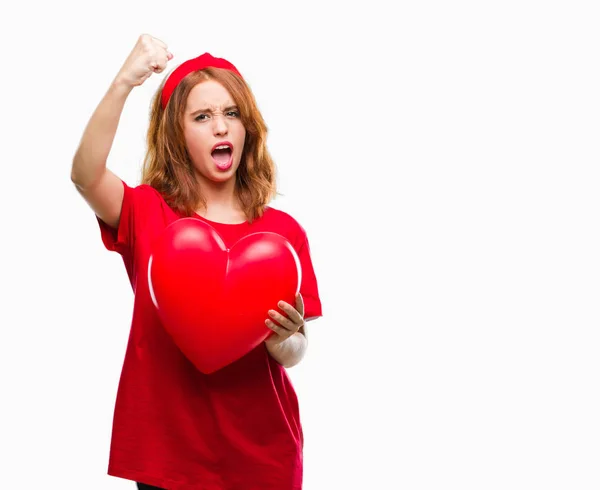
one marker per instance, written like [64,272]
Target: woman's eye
[204,117]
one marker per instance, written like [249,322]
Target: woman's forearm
[90,158]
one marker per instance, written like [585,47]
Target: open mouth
[222,155]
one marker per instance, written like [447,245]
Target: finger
[165,55]
[159,42]
[283,321]
[161,64]
[300,304]
[282,332]
[291,312]
[159,67]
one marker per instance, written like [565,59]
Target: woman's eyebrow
[209,109]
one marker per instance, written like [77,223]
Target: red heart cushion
[213,301]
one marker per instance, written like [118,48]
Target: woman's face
[214,132]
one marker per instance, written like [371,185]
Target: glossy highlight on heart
[212,300]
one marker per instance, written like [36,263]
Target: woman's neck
[222,203]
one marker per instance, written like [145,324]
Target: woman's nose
[220,125]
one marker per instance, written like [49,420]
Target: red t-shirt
[174,427]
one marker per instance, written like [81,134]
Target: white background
[443,158]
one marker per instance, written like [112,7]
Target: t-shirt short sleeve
[308,287]
[137,203]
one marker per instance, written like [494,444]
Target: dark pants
[143,486]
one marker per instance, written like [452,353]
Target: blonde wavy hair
[168,167]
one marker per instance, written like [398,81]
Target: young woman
[174,427]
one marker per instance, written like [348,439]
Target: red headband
[203,61]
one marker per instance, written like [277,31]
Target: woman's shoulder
[144,196]
[145,190]
[284,223]
[283,217]
[147,202]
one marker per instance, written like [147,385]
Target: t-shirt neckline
[219,223]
